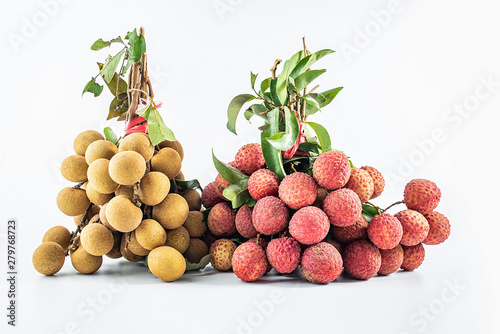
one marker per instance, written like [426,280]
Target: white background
[404,82]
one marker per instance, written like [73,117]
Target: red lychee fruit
[283,254]
[320,197]
[221,220]
[439,228]
[335,244]
[332,170]
[244,224]
[221,252]
[221,182]
[415,227]
[413,257]
[210,196]
[361,183]
[342,207]
[262,243]
[250,158]
[270,215]
[422,196]
[263,183]
[321,263]
[249,261]
[362,259]
[385,231]
[391,260]
[378,181]
[298,190]
[309,225]
[352,232]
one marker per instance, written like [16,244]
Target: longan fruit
[180,176]
[104,220]
[58,234]
[135,247]
[150,234]
[99,178]
[93,220]
[74,168]
[153,188]
[194,224]
[84,139]
[167,161]
[171,212]
[48,258]
[178,239]
[196,251]
[96,197]
[84,262]
[193,199]
[100,149]
[138,142]
[127,254]
[115,253]
[127,191]
[166,263]
[176,145]
[94,210]
[122,214]
[127,167]
[96,239]
[72,202]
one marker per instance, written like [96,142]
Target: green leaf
[312,106]
[315,57]
[298,68]
[157,129]
[118,106]
[191,184]
[230,174]
[253,77]
[196,266]
[257,110]
[234,109]
[251,202]
[272,156]
[309,147]
[100,44]
[93,87]
[326,97]
[122,84]
[137,46]
[282,80]
[323,136]
[110,135]
[237,193]
[110,66]
[306,78]
[264,85]
[240,199]
[284,140]
[274,96]
[369,211]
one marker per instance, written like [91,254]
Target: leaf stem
[393,204]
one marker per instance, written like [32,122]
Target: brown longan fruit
[150,234]
[58,234]
[166,263]
[96,239]
[100,149]
[99,178]
[127,191]
[115,252]
[153,188]
[122,214]
[178,239]
[84,139]
[194,224]
[74,168]
[167,161]
[127,168]
[104,220]
[94,210]
[193,199]
[196,251]
[127,254]
[138,142]
[48,258]
[72,202]
[84,262]
[176,145]
[180,176]
[135,247]
[171,212]
[96,197]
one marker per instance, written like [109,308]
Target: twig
[273,69]
[393,204]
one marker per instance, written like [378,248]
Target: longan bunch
[127,204]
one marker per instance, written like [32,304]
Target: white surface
[399,89]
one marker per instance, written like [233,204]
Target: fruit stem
[136,194]
[79,185]
[393,204]
[273,69]
[379,210]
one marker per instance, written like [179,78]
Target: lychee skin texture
[321,263]
[413,257]
[249,261]
[263,243]
[415,227]
[342,207]
[221,252]
[221,182]
[221,220]
[270,215]
[361,183]
[309,225]
[352,232]
[283,254]
[263,183]
[336,244]
[210,196]
[378,181]
[250,158]
[332,170]
[391,260]
[422,196]
[362,259]
[385,231]
[244,224]
[439,228]
[298,190]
